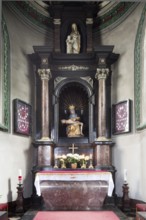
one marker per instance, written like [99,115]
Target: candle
[90,156]
[20,172]
[125,175]
[20,176]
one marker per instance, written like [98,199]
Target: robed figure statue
[73,41]
[74,126]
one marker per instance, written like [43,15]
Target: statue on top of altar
[73,41]
[74,126]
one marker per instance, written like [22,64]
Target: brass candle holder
[63,165]
[91,164]
[56,163]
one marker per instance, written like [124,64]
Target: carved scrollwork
[73,67]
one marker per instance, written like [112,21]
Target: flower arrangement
[69,159]
[62,160]
[73,158]
[83,160]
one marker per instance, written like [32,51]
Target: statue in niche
[73,41]
[74,126]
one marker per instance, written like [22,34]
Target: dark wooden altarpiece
[84,78]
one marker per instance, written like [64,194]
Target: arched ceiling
[110,13]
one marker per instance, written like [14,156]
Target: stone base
[74,195]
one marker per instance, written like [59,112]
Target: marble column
[57,23]
[101,76]
[102,149]
[45,75]
[45,157]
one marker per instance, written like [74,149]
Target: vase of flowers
[73,160]
[74,165]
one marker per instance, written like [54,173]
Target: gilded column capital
[101,73]
[44,74]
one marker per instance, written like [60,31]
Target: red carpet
[76,215]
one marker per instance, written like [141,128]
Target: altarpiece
[73,109]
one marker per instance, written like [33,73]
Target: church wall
[129,150]
[16,152]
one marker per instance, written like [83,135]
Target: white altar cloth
[73,176]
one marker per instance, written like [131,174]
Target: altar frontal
[74,190]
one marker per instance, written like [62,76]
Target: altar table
[74,190]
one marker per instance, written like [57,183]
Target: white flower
[69,155]
[82,157]
[76,156]
[87,158]
[63,156]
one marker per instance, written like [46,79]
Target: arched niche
[79,93]
[66,30]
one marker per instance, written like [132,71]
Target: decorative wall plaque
[121,120]
[22,117]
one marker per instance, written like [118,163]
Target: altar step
[3,215]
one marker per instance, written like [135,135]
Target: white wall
[129,150]
[16,152]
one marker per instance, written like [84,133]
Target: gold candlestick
[83,164]
[56,164]
[91,164]
[56,161]
[63,165]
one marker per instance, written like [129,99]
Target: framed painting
[121,117]
[22,117]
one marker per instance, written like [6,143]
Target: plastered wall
[16,152]
[129,150]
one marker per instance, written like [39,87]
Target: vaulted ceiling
[110,13]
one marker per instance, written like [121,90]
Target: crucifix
[73,148]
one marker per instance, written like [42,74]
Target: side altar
[72,109]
